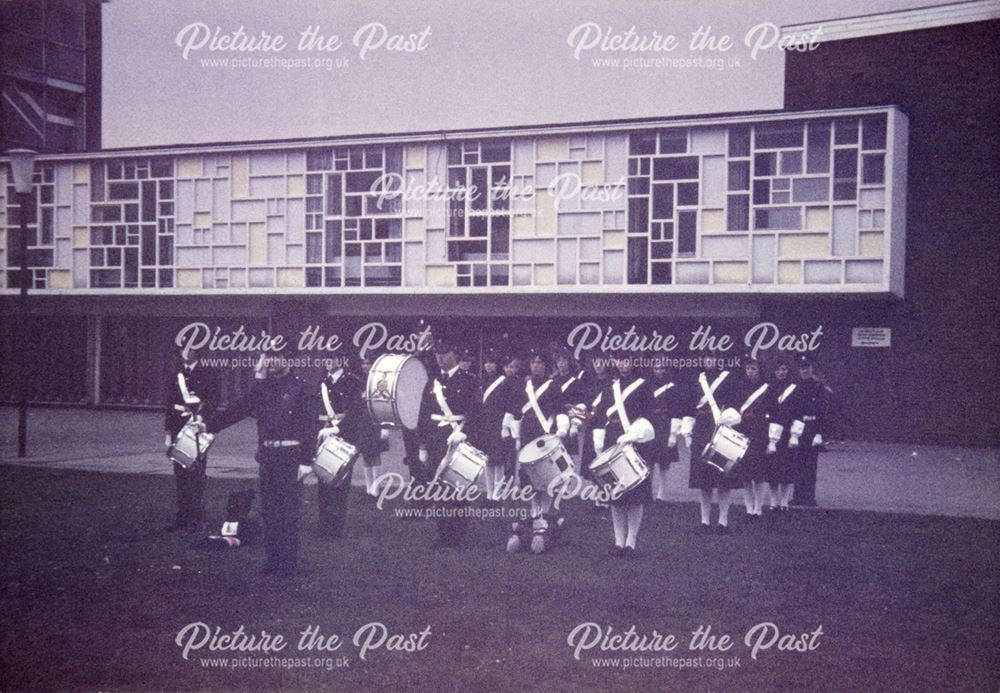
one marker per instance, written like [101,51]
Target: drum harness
[529,390]
[493,386]
[620,397]
[754,396]
[446,418]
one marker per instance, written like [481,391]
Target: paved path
[853,476]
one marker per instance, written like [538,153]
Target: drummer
[568,378]
[541,408]
[669,402]
[753,393]
[495,424]
[347,418]
[623,417]
[450,400]
[725,391]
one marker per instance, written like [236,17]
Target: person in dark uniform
[568,379]
[450,400]
[669,404]
[284,406]
[810,407]
[351,422]
[512,430]
[493,425]
[541,409]
[778,463]
[703,476]
[753,397]
[595,381]
[624,416]
[202,384]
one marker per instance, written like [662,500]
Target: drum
[463,467]
[333,461]
[190,444]
[544,460]
[726,449]
[621,467]
[395,385]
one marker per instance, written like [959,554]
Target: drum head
[394,389]
[409,389]
[538,449]
[605,457]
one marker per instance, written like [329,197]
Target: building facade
[50,75]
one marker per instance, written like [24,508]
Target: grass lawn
[94,595]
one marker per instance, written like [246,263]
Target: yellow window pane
[614,240]
[872,245]
[789,273]
[190,167]
[592,173]
[545,275]
[552,149]
[291,276]
[258,244]
[81,173]
[818,218]
[415,156]
[440,275]
[545,213]
[524,225]
[296,186]
[241,175]
[81,237]
[803,245]
[713,220]
[202,220]
[414,230]
[60,279]
[730,272]
[189,278]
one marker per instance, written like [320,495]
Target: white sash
[572,379]
[663,388]
[620,397]
[529,390]
[448,418]
[784,395]
[182,384]
[753,397]
[709,395]
[714,386]
[492,387]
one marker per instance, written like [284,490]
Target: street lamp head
[22,166]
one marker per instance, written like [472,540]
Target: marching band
[600,420]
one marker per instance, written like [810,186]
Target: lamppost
[22,168]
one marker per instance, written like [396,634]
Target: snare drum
[334,460]
[543,460]
[395,385]
[726,449]
[190,444]
[621,467]
[463,467]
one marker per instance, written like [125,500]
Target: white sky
[485,64]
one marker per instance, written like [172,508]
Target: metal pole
[22,341]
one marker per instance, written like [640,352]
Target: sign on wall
[871,337]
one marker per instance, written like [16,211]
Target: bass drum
[394,388]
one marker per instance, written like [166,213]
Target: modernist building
[50,75]
[866,203]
